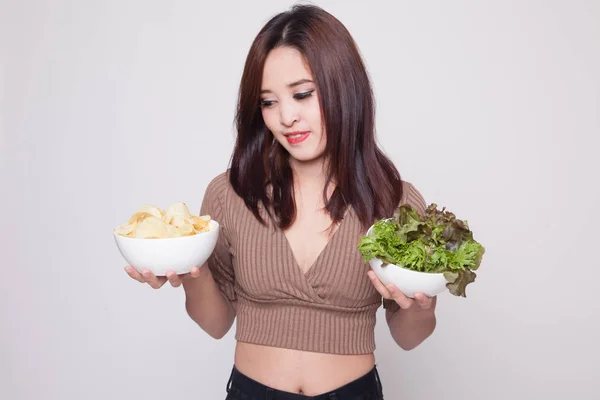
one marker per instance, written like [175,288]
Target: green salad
[436,242]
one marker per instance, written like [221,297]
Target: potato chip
[154,228]
[152,210]
[138,217]
[201,224]
[185,230]
[151,222]
[126,230]
[177,211]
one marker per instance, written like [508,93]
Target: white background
[491,108]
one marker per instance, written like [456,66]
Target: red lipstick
[296,137]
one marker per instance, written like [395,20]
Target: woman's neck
[309,174]
[309,182]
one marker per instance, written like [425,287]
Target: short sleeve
[220,262]
[414,198]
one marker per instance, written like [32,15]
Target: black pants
[241,387]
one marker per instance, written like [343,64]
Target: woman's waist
[307,327]
[297,371]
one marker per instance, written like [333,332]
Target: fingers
[423,301]
[379,285]
[154,281]
[157,282]
[390,291]
[174,279]
[134,274]
[400,298]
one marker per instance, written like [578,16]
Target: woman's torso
[297,371]
[305,306]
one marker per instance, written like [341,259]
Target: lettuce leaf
[458,281]
[436,242]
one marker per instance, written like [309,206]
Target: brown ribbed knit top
[329,309]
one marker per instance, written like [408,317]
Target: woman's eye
[297,96]
[304,95]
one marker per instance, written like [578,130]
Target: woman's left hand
[392,292]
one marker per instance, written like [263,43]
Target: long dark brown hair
[364,178]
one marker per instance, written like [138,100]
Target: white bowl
[179,254]
[408,281]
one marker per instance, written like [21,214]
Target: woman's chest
[306,263]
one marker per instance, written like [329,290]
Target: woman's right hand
[156,282]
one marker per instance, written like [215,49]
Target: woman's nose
[288,113]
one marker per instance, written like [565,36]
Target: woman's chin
[305,157]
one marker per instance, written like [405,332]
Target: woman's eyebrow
[300,82]
[291,85]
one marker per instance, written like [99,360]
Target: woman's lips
[296,137]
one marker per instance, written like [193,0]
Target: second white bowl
[408,281]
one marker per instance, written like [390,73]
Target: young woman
[306,181]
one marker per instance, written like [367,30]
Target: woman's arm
[411,321]
[411,326]
[210,298]
[207,305]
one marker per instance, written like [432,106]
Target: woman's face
[290,105]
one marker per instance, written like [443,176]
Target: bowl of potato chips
[162,240]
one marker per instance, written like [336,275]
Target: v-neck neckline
[322,253]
